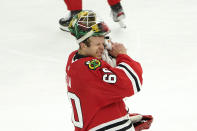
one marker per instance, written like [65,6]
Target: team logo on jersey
[93,64]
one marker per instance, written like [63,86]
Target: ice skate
[118,14]
[64,22]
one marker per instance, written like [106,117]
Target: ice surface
[160,34]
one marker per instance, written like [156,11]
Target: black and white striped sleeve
[121,124]
[132,75]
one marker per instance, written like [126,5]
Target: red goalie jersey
[96,91]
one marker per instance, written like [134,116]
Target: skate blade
[120,21]
[122,24]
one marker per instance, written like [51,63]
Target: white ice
[160,34]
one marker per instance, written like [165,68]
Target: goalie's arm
[131,68]
[121,81]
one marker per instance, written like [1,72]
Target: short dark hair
[86,42]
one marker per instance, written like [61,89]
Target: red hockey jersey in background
[96,91]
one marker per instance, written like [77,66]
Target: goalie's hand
[141,122]
[117,49]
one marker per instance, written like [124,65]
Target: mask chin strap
[90,33]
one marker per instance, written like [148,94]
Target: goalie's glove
[105,56]
[141,122]
[108,43]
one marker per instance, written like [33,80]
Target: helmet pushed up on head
[86,24]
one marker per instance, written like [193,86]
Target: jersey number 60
[77,104]
[109,77]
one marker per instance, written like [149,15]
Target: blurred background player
[75,6]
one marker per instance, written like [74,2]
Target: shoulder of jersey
[89,62]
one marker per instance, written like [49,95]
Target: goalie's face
[96,47]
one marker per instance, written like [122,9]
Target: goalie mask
[86,24]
